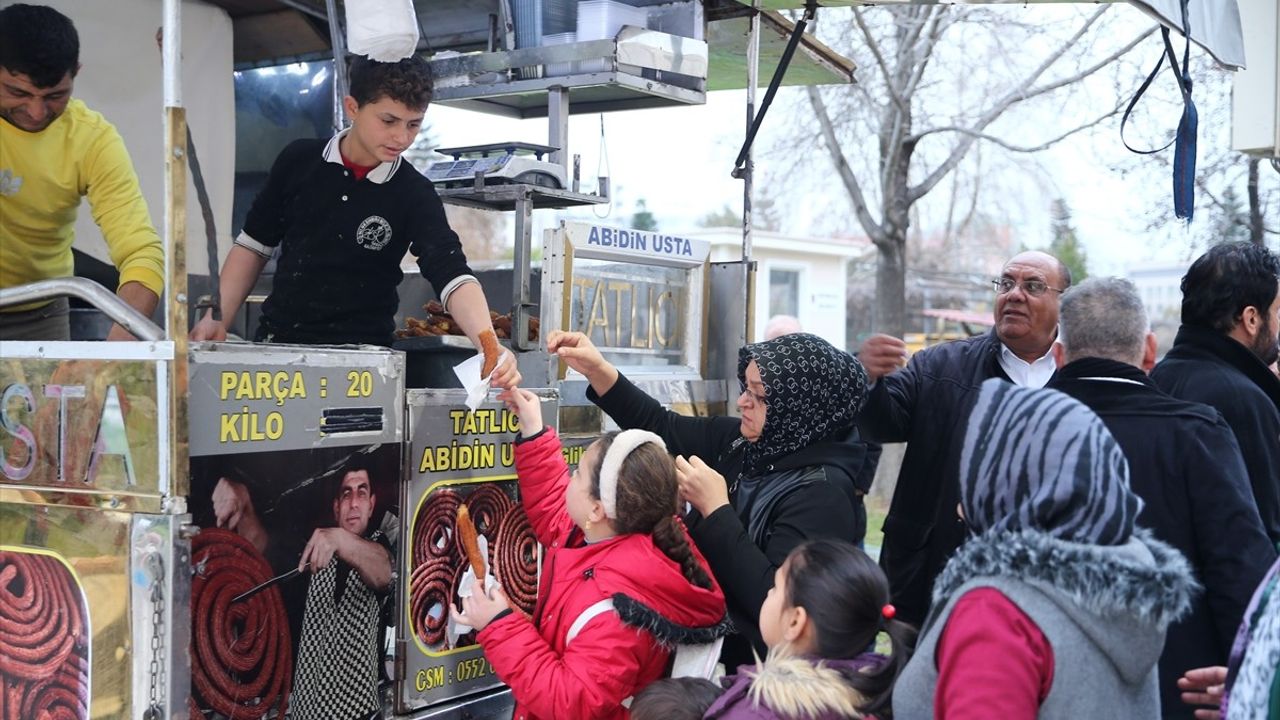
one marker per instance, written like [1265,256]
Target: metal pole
[177,689]
[558,126]
[748,167]
[339,45]
[175,232]
[520,302]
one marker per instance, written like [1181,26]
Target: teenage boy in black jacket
[343,212]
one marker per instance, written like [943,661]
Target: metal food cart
[116,454]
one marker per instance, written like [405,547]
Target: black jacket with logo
[341,242]
[1208,367]
[1185,465]
[808,495]
[927,405]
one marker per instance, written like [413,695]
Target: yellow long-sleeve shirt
[42,178]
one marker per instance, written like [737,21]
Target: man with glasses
[921,400]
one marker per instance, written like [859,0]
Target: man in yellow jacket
[53,151]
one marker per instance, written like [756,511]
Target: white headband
[622,445]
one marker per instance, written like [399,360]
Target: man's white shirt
[1027,374]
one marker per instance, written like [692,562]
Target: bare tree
[924,125]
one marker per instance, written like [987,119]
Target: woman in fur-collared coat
[1058,607]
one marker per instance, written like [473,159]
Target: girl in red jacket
[621,585]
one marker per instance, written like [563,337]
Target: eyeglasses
[757,400]
[1034,288]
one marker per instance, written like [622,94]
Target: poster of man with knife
[325,520]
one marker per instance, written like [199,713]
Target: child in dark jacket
[828,604]
[621,585]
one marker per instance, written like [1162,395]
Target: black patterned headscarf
[1040,460]
[813,392]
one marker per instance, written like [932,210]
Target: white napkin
[468,372]
[455,629]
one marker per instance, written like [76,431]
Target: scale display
[512,162]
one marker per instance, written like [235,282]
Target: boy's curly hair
[408,81]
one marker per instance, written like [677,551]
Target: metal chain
[155,710]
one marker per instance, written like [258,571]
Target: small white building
[800,276]
[1160,287]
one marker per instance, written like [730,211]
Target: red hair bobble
[888,611]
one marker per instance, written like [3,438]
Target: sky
[678,159]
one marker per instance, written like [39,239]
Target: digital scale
[498,163]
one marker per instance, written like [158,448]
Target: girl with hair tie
[792,468]
[621,584]
[828,603]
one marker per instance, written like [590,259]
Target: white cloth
[1028,374]
[385,30]
[468,372]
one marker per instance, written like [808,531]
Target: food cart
[133,601]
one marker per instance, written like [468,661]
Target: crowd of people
[1077,529]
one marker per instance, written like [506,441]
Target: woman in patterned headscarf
[787,471]
[1058,606]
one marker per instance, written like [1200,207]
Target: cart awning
[813,63]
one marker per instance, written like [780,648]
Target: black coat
[927,405]
[1208,367]
[1186,466]
[808,495]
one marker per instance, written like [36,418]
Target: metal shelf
[640,69]
[588,93]
[507,197]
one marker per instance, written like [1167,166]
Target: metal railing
[90,292]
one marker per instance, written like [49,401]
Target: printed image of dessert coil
[434,531]
[241,652]
[430,592]
[44,639]
[516,559]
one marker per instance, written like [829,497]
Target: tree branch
[874,47]
[912,57]
[874,230]
[1023,148]
[1022,92]
[1255,203]
[973,202]
[1232,214]
[932,36]
[1087,71]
